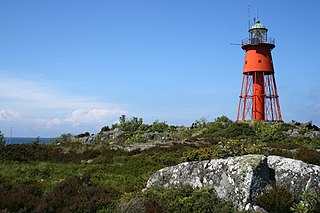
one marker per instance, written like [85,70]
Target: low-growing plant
[21,197]
[237,148]
[137,137]
[184,199]
[309,203]
[276,199]
[2,140]
[77,194]
[158,126]
[240,130]
[63,138]
[308,155]
[268,132]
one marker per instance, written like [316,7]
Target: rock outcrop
[240,179]
[294,174]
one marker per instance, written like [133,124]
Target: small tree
[36,141]
[159,126]
[202,123]
[2,140]
[223,119]
[65,137]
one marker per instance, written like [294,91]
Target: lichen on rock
[239,180]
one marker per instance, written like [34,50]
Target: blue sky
[77,65]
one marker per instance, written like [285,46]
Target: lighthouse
[259,99]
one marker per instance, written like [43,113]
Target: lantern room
[258,33]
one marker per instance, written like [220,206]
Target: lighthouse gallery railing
[261,40]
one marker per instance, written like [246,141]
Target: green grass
[72,177]
[46,173]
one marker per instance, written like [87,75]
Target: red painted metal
[259,99]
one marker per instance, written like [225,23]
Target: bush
[2,140]
[137,137]
[42,152]
[24,197]
[202,153]
[185,199]
[308,155]
[105,129]
[268,132]
[63,138]
[77,194]
[86,134]
[277,199]
[159,126]
[310,202]
[240,130]
[223,119]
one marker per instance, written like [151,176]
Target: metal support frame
[272,110]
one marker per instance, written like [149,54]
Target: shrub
[310,202]
[213,132]
[86,134]
[105,129]
[63,138]
[240,130]
[308,155]
[184,134]
[276,199]
[137,137]
[23,197]
[2,140]
[185,199]
[236,148]
[134,205]
[154,206]
[201,123]
[202,153]
[268,132]
[159,126]
[77,194]
[223,119]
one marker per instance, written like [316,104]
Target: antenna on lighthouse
[249,16]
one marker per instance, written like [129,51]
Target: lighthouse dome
[258,25]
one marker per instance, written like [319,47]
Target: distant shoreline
[25,140]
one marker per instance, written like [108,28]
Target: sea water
[23,140]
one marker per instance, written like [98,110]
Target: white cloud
[8,115]
[98,116]
[41,95]
[53,123]
[34,104]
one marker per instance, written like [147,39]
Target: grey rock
[87,139]
[112,133]
[139,146]
[240,179]
[312,134]
[292,133]
[307,124]
[157,135]
[295,174]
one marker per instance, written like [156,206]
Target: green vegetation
[70,175]
[310,202]
[276,199]
[2,140]
[175,200]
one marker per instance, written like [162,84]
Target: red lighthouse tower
[259,98]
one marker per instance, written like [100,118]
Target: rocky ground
[242,179]
[255,166]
